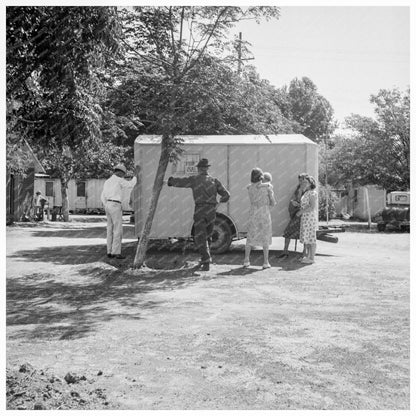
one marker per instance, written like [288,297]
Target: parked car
[396,215]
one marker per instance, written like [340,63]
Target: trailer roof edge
[254,139]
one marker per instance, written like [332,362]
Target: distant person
[292,230]
[204,190]
[259,230]
[111,198]
[309,219]
[40,202]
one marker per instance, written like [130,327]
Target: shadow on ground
[99,231]
[98,289]
[91,232]
[161,257]
[61,307]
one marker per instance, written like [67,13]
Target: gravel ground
[87,332]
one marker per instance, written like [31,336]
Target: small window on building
[81,189]
[49,188]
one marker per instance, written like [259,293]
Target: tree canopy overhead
[52,58]
[53,88]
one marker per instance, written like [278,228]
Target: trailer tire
[221,236]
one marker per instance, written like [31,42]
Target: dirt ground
[87,332]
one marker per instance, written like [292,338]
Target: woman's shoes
[306,260]
[283,256]
[265,265]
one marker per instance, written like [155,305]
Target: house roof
[248,139]
[36,164]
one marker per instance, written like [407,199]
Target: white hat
[120,167]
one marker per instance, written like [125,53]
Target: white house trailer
[354,203]
[232,159]
[83,196]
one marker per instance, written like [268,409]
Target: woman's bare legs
[312,251]
[286,247]
[247,255]
[306,250]
[266,256]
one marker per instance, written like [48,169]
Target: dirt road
[332,335]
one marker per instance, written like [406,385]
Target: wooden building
[20,189]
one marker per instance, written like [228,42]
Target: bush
[325,193]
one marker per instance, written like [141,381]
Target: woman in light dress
[259,232]
[309,219]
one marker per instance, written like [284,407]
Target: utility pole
[240,39]
[240,59]
[326,179]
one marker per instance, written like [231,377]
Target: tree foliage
[310,111]
[378,150]
[53,56]
[216,100]
[326,203]
[52,53]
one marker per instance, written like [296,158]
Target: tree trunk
[65,202]
[157,187]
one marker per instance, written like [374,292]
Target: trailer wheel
[221,236]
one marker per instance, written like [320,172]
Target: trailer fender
[230,222]
[224,232]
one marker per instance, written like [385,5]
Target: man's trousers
[114,227]
[204,219]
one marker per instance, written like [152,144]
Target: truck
[396,214]
[232,157]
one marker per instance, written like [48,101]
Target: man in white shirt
[111,198]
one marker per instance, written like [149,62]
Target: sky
[348,52]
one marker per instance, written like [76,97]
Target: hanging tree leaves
[53,54]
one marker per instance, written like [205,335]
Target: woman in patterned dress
[292,229]
[259,232]
[309,219]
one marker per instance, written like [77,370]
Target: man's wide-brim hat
[121,167]
[203,163]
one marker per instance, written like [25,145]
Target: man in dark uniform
[204,190]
